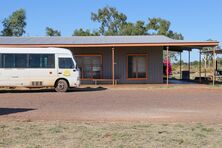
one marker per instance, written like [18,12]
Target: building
[122,59]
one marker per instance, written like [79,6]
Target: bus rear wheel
[61,86]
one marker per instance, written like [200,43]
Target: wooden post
[180,67]
[205,67]
[189,63]
[214,64]
[200,66]
[167,66]
[113,66]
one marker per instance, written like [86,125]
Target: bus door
[66,67]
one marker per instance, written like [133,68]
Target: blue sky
[195,19]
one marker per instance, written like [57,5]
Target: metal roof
[104,41]
[89,40]
[218,51]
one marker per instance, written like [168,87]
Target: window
[42,61]
[8,60]
[47,61]
[34,61]
[137,66]
[66,63]
[21,61]
[90,66]
[27,61]
[0,61]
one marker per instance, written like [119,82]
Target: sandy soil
[100,104]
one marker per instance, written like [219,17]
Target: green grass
[68,134]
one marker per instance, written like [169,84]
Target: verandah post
[189,63]
[180,66]
[113,66]
[167,66]
[214,64]
[200,66]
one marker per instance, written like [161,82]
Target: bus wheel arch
[61,85]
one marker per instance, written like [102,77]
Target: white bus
[38,67]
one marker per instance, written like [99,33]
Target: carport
[217,74]
[199,46]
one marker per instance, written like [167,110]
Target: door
[67,69]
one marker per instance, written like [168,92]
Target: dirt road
[156,105]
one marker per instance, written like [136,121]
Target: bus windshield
[66,63]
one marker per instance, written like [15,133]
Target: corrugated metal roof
[218,51]
[89,40]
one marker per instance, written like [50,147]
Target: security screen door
[90,66]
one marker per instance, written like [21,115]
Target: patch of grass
[208,129]
[67,134]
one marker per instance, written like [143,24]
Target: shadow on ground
[85,89]
[7,111]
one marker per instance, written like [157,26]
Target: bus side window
[21,61]
[48,61]
[0,60]
[8,60]
[34,61]
[42,61]
[51,61]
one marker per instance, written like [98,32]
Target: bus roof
[35,50]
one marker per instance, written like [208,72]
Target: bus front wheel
[61,86]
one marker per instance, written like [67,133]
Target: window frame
[91,55]
[146,65]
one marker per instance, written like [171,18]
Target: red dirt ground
[188,104]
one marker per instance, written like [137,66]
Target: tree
[113,22]
[52,32]
[174,35]
[87,32]
[160,26]
[138,28]
[15,24]
[110,20]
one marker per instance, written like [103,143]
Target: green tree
[52,32]
[174,35]
[159,26]
[87,32]
[113,22]
[110,20]
[15,24]
[139,28]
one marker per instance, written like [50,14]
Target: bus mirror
[75,68]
